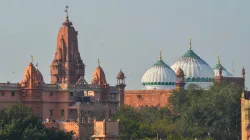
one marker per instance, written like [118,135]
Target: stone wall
[147,98]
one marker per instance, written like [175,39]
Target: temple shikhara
[71,103]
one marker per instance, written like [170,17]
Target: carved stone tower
[67,66]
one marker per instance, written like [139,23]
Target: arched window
[198,79]
[193,79]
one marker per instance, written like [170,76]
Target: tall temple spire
[160,54]
[190,43]
[66,11]
[218,58]
[67,63]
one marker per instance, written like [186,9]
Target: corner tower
[67,66]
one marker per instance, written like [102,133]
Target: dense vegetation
[18,123]
[203,114]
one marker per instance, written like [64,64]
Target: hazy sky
[125,35]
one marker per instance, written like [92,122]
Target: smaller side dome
[120,75]
[219,68]
[179,72]
[159,76]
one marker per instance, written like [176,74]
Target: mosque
[160,80]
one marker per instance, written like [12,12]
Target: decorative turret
[67,66]
[121,86]
[99,77]
[180,79]
[219,70]
[120,78]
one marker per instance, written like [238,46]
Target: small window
[71,93]
[51,93]
[12,93]
[51,112]
[62,112]
[2,94]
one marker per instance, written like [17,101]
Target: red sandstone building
[68,89]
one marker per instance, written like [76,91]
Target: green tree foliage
[18,123]
[194,113]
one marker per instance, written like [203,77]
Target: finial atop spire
[160,54]
[218,58]
[32,59]
[37,65]
[99,62]
[66,11]
[190,43]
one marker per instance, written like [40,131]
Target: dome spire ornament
[66,11]
[218,58]
[160,54]
[190,43]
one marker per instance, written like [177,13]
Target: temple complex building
[68,97]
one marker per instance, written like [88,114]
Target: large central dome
[159,76]
[196,70]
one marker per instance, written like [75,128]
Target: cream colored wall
[99,128]
[245,106]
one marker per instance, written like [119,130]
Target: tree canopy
[194,113]
[18,123]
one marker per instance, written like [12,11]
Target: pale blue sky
[125,34]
